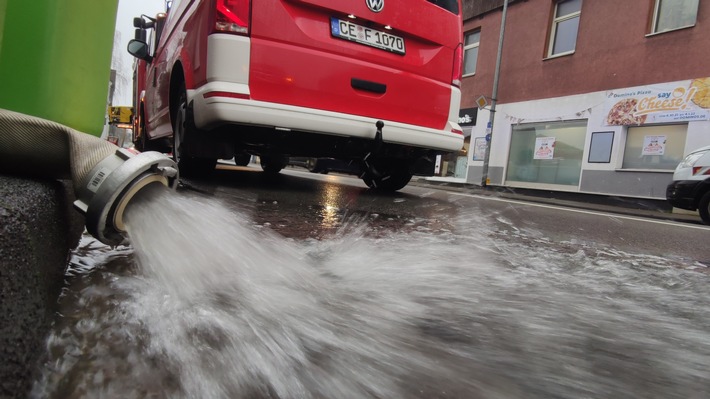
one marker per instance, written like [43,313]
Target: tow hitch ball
[376,145]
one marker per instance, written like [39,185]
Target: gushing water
[206,304]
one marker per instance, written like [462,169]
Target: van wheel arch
[177,84]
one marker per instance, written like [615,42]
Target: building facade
[593,96]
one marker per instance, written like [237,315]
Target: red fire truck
[374,82]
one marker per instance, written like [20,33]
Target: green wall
[55,59]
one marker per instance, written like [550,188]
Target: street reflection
[329,198]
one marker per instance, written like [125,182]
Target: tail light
[458,66]
[232,16]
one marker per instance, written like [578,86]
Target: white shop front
[624,142]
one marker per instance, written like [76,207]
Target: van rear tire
[704,208]
[273,164]
[392,177]
[183,131]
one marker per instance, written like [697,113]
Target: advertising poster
[544,148]
[683,101]
[653,145]
[479,149]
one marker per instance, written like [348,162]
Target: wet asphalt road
[313,286]
[299,204]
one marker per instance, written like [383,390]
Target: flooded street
[441,300]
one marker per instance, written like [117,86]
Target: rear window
[451,5]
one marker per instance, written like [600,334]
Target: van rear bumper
[682,194]
[226,107]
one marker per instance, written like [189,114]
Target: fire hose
[105,178]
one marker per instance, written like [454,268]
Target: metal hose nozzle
[113,182]
[105,178]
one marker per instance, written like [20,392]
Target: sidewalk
[649,208]
[38,228]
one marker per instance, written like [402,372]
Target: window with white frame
[470,55]
[547,153]
[563,36]
[674,14]
[654,147]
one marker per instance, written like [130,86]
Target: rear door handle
[368,85]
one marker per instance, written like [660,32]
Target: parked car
[690,188]
[370,81]
[325,165]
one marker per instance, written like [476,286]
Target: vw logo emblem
[375,5]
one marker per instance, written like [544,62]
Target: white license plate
[367,36]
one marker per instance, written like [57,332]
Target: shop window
[470,55]
[563,36]
[654,147]
[456,164]
[547,153]
[674,14]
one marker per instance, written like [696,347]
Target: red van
[371,81]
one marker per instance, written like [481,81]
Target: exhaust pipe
[105,178]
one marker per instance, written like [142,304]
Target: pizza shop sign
[670,102]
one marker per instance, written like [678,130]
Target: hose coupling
[111,185]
